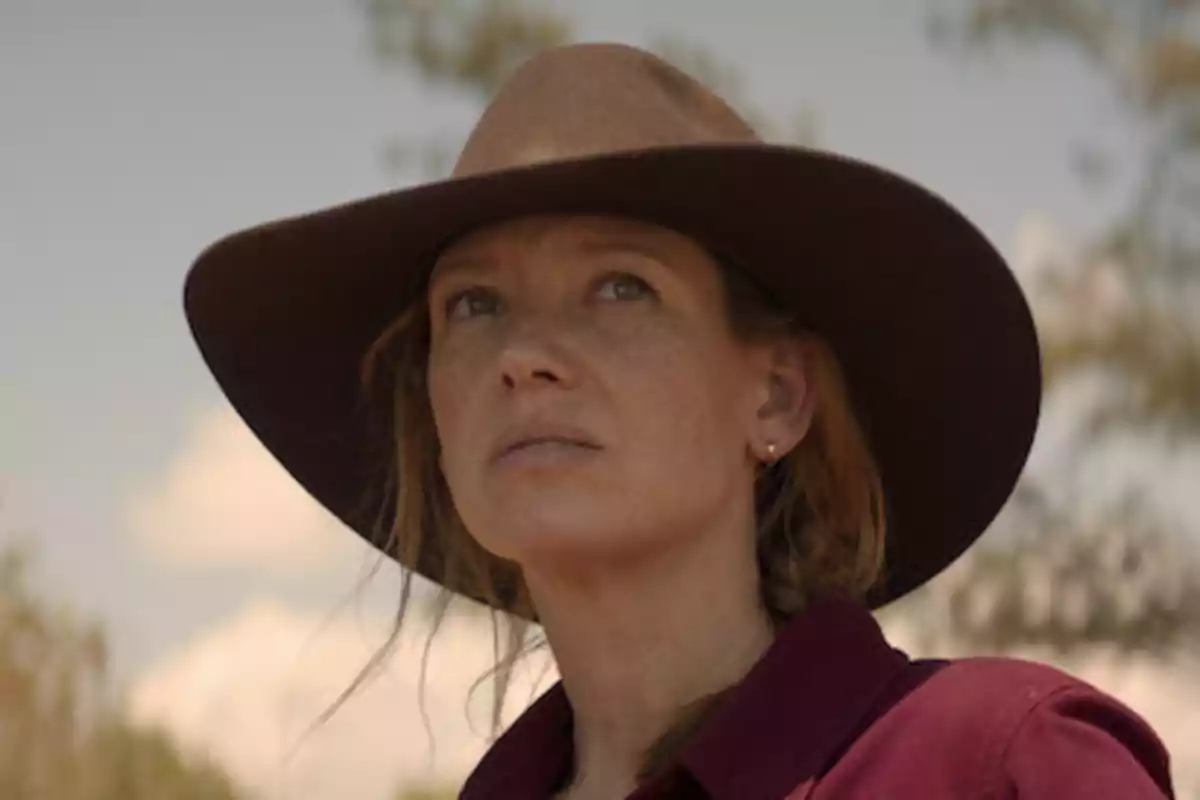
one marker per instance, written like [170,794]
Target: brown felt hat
[934,334]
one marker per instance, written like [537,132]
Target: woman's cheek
[644,335]
[447,394]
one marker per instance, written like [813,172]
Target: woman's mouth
[546,449]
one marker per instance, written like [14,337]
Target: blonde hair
[820,509]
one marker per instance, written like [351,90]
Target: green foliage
[1126,311]
[471,45]
[1054,581]
[1148,341]
[62,737]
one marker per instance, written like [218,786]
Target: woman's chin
[559,535]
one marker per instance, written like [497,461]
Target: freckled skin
[654,377]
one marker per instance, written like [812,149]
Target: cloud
[246,691]
[223,501]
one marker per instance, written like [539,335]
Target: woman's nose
[534,355]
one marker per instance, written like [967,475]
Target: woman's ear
[788,401]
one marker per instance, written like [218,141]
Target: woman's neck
[636,645]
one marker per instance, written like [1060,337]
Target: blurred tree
[1125,312]
[1143,276]
[1052,579]
[61,735]
[467,46]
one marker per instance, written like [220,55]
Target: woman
[695,405]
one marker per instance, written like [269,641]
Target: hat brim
[934,334]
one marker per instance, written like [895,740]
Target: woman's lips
[545,447]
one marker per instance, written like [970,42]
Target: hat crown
[591,99]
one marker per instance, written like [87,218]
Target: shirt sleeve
[1081,743]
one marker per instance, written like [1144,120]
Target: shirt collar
[531,758]
[805,700]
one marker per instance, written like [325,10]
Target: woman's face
[589,397]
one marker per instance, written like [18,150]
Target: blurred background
[175,615]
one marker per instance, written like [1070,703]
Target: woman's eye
[624,286]
[472,303]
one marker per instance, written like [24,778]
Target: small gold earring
[771,451]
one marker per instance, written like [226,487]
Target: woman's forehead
[526,234]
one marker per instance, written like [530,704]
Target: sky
[132,134]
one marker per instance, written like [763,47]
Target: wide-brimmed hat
[934,335]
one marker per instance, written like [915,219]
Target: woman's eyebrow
[602,244]
[626,244]
[456,264]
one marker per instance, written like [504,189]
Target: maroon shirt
[833,711]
